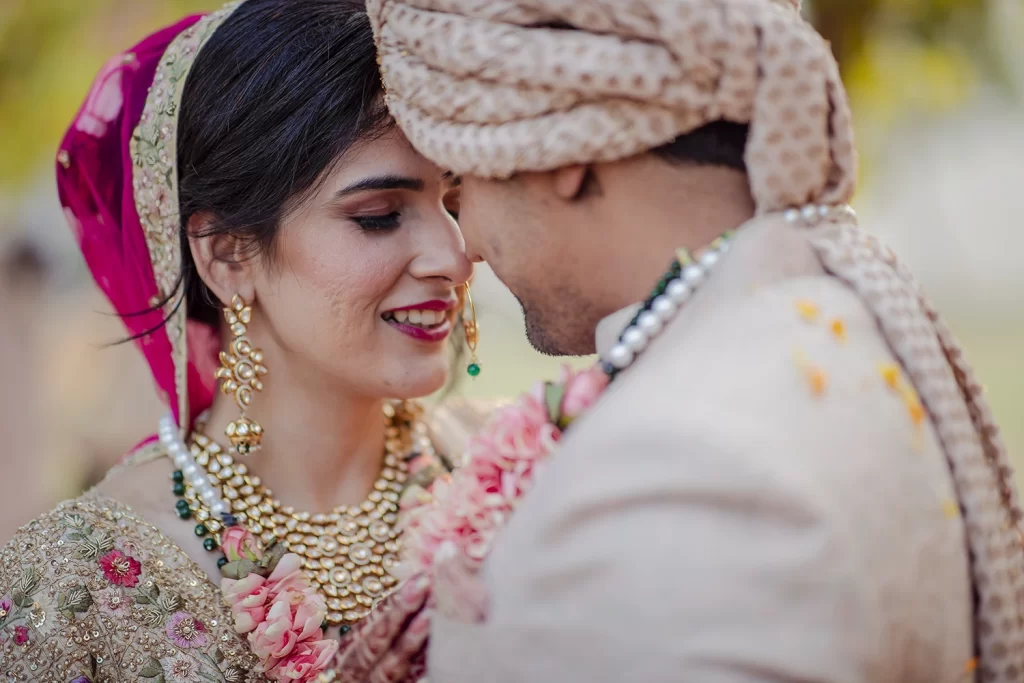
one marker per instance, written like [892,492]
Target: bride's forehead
[387,153]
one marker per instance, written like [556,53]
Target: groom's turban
[493,87]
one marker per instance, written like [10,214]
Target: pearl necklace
[686,274]
[194,475]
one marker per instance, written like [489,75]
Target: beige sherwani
[752,501]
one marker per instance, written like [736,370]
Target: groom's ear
[571,182]
[220,258]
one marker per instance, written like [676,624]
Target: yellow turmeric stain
[951,508]
[971,666]
[838,328]
[808,310]
[914,407]
[816,378]
[890,372]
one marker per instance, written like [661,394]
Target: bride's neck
[322,446]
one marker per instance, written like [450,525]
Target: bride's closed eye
[379,223]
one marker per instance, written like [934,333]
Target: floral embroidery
[186,631]
[140,595]
[75,600]
[180,669]
[120,569]
[113,602]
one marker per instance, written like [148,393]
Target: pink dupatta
[97,179]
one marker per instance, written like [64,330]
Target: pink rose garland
[282,613]
[465,513]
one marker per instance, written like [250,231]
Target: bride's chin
[423,378]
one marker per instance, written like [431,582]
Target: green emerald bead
[177,476]
[344,629]
[473,369]
[181,505]
[184,513]
[179,489]
[210,544]
[201,530]
[221,561]
[325,625]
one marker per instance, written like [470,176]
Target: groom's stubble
[540,258]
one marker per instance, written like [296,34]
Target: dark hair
[281,90]
[719,143]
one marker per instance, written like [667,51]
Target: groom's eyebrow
[381,182]
[450,177]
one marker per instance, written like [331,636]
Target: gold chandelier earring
[240,373]
[472,331]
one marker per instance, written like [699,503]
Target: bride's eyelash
[378,223]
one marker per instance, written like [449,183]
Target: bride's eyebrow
[381,182]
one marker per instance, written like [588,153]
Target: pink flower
[239,544]
[186,631]
[306,661]
[6,606]
[294,616]
[120,569]
[287,576]
[582,391]
[465,514]
[247,599]
[20,635]
[114,602]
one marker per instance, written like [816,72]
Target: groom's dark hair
[719,143]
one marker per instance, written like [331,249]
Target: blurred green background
[938,94]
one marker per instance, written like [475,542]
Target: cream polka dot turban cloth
[492,87]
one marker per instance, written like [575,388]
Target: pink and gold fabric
[117,182]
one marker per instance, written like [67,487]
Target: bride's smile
[429,321]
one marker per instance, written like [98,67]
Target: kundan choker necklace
[348,553]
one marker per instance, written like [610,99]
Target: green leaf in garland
[239,569]
[553,394]
[271,556]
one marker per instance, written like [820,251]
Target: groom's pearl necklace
[686,274]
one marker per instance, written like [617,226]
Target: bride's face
[361,284]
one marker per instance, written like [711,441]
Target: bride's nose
[442,253]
